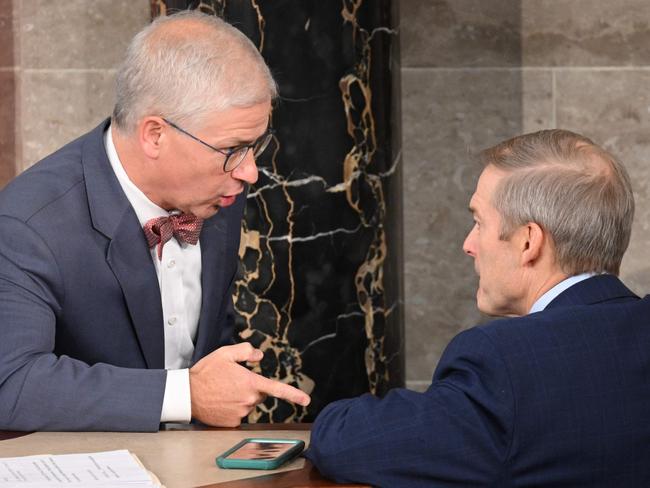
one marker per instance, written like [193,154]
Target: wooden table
[305,477]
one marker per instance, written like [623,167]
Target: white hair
[186,66]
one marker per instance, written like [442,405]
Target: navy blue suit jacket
[81,326]
[555,398]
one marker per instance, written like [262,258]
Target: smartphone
[254,453]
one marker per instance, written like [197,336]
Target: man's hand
[223,391]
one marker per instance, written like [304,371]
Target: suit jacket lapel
[129,258]
[213,241]
[127,255]
[597,289]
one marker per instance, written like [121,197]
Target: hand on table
[223,391]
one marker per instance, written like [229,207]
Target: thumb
[243,352]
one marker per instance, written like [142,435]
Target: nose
[468,245]
[247,170]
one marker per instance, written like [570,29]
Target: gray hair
[186,66]
[578,192]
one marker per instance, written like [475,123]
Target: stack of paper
[110,469]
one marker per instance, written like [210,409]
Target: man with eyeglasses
[119,251]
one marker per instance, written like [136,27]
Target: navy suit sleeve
[457,433]
[39,390]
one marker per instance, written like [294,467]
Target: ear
[531,242]
[150,136]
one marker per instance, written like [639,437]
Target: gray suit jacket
[81,327]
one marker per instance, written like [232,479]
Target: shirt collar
[551,294]
[144,208]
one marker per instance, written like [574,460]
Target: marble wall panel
[69,52]
[562,44]
[320,208]
[6,34]
[7,129]
[78,33]
[448,115]
[613,108]
[537,100]
[58,106]
[585,32]
[460,32]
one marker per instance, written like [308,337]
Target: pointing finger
[282,390]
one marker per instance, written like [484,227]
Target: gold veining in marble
[287,358]
[361,128]
[213,7]
[261,23]
[158,8]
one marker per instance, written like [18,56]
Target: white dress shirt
[179,279]
[550,295]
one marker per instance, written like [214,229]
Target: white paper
[110,469]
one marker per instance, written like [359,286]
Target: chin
[208,211]
[479,301]
[484,306]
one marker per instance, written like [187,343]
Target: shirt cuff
[177,405]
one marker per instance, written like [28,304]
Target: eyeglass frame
[266,138]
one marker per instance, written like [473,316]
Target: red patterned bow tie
[183,227]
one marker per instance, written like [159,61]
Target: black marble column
[321,278]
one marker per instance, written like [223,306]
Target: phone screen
[260,450]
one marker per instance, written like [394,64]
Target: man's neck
[124,148]
[541,286]
[127,154]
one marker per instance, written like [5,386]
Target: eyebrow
[241,142]
[228,143]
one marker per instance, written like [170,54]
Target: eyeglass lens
[237,156]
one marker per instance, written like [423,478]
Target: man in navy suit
[557,393]
[118,252]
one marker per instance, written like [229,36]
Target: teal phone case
[274,463]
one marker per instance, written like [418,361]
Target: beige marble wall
[7,92]
[476,72]
[66,61]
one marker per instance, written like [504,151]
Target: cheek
[198,178]
[211,186]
